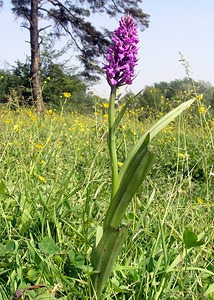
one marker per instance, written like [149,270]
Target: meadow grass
[55,189]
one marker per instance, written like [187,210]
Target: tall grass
[54,191]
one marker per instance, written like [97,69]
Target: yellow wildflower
[105,104]
[39,146]
[67,95]
[200,97]
[42,178]
[49,112]
[119,164]
[7,121]
[16,128]
[199,200]
[201,110]
[30,115]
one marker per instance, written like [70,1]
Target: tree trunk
[35,57]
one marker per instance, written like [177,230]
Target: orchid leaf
[153,131]
[136,172]
[104,256]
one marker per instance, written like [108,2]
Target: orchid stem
[111,142]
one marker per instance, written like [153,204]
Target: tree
[163,96]
[29,10]
[72,18]
[35,55]
[57,79]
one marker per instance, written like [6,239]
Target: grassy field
[54,192]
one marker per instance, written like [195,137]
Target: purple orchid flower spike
[122,54]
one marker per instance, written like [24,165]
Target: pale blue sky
[175,25]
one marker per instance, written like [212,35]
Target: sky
[185,26]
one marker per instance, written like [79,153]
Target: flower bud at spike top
[122,54]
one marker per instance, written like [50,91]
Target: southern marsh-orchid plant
[121,60]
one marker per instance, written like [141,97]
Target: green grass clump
[54,192]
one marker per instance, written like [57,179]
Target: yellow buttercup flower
[201,110]
[7,121]
[199,200]
[49,112]
[105,104]
[200,97]
[39,146]
[119,164]
[67,95]
[42,178]
[16,128]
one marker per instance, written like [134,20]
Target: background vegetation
[57,78]
[54,191]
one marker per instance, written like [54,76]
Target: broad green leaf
[191,239]
[153,131]
[179,258]
[11,246]
[32,275]
[80,260]
[48,246]
[104,256]
[137,170]
[71,255]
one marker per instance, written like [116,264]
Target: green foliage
[162,97]
[55,187]
[191,239]
[56,82]
[10,84]
[15,87]
[72,19]
[48,246]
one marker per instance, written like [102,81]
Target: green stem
[111,142]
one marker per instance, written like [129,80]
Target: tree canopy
[74,18]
